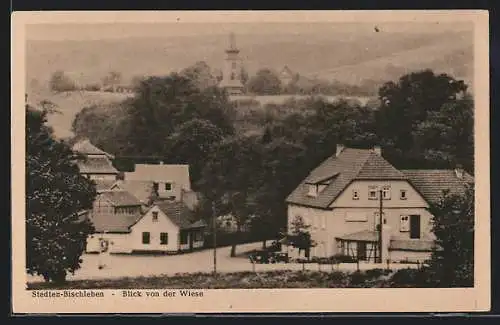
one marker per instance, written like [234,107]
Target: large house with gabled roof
[342,198]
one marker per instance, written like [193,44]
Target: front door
[361,251]
[414,226]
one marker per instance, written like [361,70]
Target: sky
[97,31]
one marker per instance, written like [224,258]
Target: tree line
[265,81]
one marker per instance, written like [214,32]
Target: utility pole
[214,230]
[380,226]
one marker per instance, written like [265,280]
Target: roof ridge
[362,165]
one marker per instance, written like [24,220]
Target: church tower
[231,74]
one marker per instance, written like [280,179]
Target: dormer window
[313,190]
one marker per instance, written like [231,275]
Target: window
[164,238]
[233,65]
[404,224]
[155,216]
[184,238]
[386,192]
[321,187]
[146,237]
[313,190]
[233,76]
[372,193]
[155,187]
[402,195]
[355,195]
[168,186]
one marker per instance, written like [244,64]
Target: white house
[167,227]
[342,198]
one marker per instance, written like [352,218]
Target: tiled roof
[103,184]
[432,183]
[85,147]
[142,190]
[96,165]
[119,223]
[350,165]
[121,198]
[364,235]
[178,174]
[180,214]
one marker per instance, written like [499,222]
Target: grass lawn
[376,278]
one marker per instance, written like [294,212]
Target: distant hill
[339,56]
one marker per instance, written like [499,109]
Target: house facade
[166,227]
[345,199]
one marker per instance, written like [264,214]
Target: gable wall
[163,224]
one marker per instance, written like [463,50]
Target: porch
[361,246]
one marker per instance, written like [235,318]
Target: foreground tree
[300,236]
[191,143]
[453,264]
[55,195]
[229,179]
[162,104]
[420,108]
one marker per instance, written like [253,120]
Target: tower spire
[232,43]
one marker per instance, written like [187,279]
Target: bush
[410,278]
[340,258]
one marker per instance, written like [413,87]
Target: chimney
[459,172]
[377,150]
[340,148]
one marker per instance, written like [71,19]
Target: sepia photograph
[220,161]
